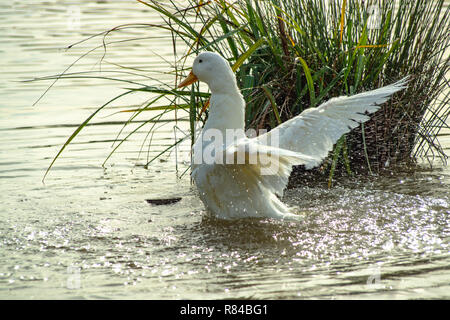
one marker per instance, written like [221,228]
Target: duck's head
[211,68]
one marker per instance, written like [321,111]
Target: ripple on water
[349,234]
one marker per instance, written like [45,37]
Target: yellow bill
[190,79]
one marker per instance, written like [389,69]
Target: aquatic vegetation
[294,54]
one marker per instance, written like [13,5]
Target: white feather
[316,130]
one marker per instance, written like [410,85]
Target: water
[89,233]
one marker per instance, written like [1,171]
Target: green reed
[294,54]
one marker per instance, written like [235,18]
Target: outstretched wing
[316,130]
[266,165]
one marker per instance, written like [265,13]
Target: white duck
[253,187]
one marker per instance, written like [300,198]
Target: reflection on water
[89,233]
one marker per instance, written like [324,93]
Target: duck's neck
[226,111]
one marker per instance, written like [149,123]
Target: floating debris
[161,202]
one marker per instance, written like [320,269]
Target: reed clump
[302,53]
[295,54]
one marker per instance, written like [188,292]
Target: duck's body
[242,177]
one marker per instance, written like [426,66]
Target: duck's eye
[200,61]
